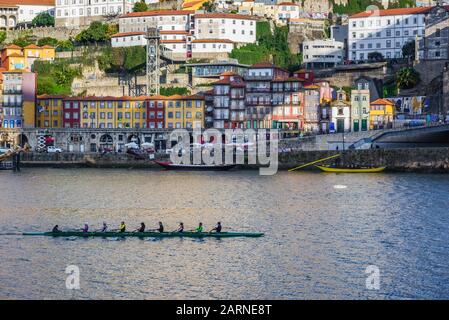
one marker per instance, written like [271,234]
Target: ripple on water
[319,239]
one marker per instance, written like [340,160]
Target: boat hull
[195,167]
[351,170]
[146,234]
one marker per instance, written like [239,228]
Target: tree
[97,32]
[407,78]
[140,6]
[209,6]
[375,56]
[65,45]
[47,41]
[2,36]
[23,41]
[408,50]
[43,19]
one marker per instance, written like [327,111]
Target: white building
[285,11]
[128,39]
[203,48]
[384,31]
[322,53]
[23,11]
[75,13]
[340,113]
[226,26]
[165,20]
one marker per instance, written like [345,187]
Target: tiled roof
[223,16]
[157,13]
[391,12]
[382,102]
[32,46]
[287,4]
[212,41]
[51,96]
[13,46]
[127,34]
[263,65]
[173,32]
[14,3]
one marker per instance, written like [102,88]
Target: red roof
[13,46]
[127,34]
[382,102]
[174,32]
[158,13]
[212,41]
[14,3]
[287,4]
[391,12]
[263,65]
[32,46]
[223,16]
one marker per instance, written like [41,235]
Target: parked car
[53,149]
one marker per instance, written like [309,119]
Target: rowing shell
[351,170]
[146,234]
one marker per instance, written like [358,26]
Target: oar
[313,162]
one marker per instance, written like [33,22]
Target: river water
[321,233]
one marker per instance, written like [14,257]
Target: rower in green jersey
[200,228]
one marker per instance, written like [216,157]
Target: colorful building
[184,112]
[58,111]
[381,114]
[360,107]
[17,58]
[49,111]
[18,99]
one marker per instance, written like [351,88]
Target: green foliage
[22,41]
[48,41]
[408,50]
[127,59]
[140,6]
[390,90]
[209,6]
[169,91]
[271,46]
[97,32]
[2,36]
[65,45]
[355,6]
[55,78]
[43,19]
[401,4]
[407,78]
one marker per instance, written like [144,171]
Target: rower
[180,228]
[200,228]
[141,228]
[122,227]
[56,229]
[86,228]
[104,228]
[161,227]
[217,227]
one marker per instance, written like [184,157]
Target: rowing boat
[194,167]
[350,170]
[146,234]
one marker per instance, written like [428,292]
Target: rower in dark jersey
[56,229]
[141,228]
[180,228]
[217,227]
[161,227]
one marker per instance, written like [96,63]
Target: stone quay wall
[427,160]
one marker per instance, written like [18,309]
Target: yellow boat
[350,170]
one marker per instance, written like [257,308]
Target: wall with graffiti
[416,105]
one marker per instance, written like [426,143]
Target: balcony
[258,77]
[258,89]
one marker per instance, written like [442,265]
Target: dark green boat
[146,234]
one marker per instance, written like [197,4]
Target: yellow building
[381,114]
[184,112]
[49,111]
[110,112]
[17,58]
